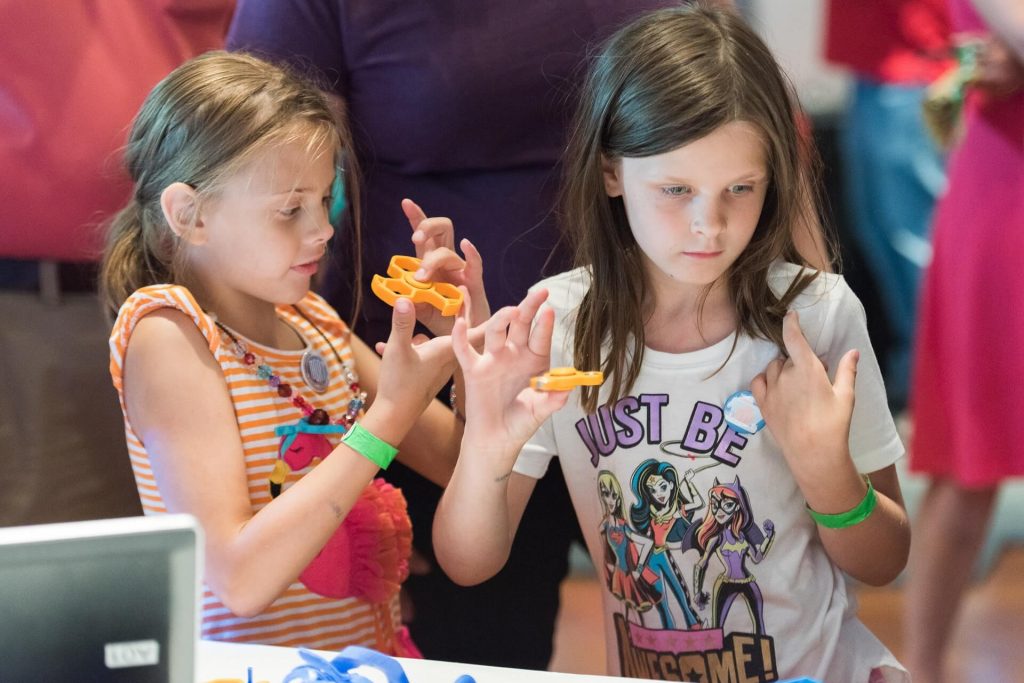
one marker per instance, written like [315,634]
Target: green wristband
[851,517]
[363,442]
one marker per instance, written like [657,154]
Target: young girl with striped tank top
[243,391]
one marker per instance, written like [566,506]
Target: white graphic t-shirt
[712,568]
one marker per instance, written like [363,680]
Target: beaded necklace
[315,422]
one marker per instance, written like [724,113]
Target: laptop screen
[105,600]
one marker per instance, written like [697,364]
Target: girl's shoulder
[824,291]
[565,290]
[826,304]
[146,300]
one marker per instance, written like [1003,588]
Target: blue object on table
[339,670]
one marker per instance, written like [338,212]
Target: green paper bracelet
[849,518]
[363,442]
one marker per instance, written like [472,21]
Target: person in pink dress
[966,400]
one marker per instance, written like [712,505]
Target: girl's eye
[741,189]
[676,190]
[290,212]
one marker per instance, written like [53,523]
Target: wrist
[386,422]
[835,494]
[849,517]
[369,445]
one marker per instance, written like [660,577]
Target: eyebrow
[302,190]
[753,176]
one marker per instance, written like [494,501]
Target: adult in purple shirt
[463,107]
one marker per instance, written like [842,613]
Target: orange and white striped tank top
[299,617]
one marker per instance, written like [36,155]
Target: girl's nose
[706,217]
[323,230]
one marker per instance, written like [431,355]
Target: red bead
[354,387]
[319,417]
[302,405]
[249,359]
[284,390]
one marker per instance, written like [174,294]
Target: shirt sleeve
[534,459]
[874,441]
[306,34]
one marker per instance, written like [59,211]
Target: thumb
[846,374]
[403,320]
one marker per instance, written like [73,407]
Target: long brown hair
[198,126]
[668,78]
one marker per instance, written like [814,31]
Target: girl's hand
[434,239]
[998,69]
[501,406]
[413,369]
[808,415]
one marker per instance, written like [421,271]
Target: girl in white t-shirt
[690,199]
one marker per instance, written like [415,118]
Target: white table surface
[231,660]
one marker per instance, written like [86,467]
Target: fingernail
[420,274]
[402,305]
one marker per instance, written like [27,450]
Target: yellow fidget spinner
[564,379]
[443,296]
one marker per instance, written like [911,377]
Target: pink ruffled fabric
[368,556]
[404,647]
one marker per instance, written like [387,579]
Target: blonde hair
[201,124]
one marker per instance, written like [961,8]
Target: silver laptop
[105,600]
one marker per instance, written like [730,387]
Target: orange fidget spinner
[443,296]
[564,379]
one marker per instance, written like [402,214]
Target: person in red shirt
[892,170]
[74,75]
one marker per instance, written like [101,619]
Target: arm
[432,446]
[480,510]
[810,419]
[178,403]
[874,551]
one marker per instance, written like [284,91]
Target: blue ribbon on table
[339,670]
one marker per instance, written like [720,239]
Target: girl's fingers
[474,262]
[526,311]
[496,333]
[433,233]
[799,351]
[846,375]
[413,213]
[772,371]
[549,403]
[759,388]
[540,336]
[439,263]
[464,353]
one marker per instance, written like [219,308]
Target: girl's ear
[612,176]
[180,205]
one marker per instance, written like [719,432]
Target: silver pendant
[314,369]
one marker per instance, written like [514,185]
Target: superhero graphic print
[681,544]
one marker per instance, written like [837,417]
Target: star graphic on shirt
[693,676]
